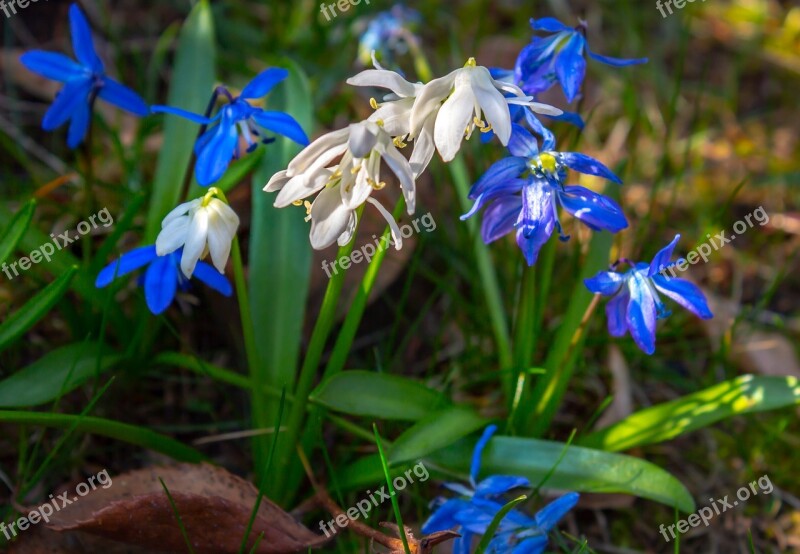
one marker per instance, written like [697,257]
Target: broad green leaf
[744,395]
[580,469]
[279,263]
[56,373]
[191,86]
[435,431]
[34,309]
[378,395]
[15,230]
[123,432]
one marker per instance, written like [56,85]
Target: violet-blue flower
[218,145]
[163,277]
[84,81]
[524,190]
[636,304]
[558,57]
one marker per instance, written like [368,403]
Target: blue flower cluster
[479,502]
[522,192]
[85,80]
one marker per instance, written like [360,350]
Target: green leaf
[498,517]
[123,432]
[279,264]
[435,431]
[15,230]
[56,373]
[192,83]
[33,310]
[378,395]
[580,469]
[744,395]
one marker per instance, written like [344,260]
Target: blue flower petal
[536,220]
[531,545]
[595,210]
[685,293]
[606,283]
[548,138]
[52,65]
[499,484]
[82,40]
[510,187]
[522,143]
[533,69]
[550,515]
[617,312]
[616,62]
[569,117]
[283,124]
[475,466]
[213,160]
[444,517]
[588,165]
[79,124]
[501,171]
[641,316]
[123,97]
[131,261]
[161,284]
[661,260]
[548,24]
[191,116]
[264,82]
[571,67]
[463,544]
[213,278]
[500,217]
[67,100]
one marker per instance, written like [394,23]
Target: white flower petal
[302,186]
[492,102]
[222,213]
[277,181]
[402,168]
[182,209]
[396,234]
[347,236]
[537,107]
[451,122]
[396,116]
[363,137]
[355,191]
[329,218]
[429,98]
[383,79]
[423,149]
[320,148]
[172,236]
[195,242]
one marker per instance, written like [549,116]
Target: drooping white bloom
[343,186]
[462,99]
[201,226]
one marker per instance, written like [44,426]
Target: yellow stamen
[471,63]
[297,203]
[398,141]
[373,103]
[548,162]
[486,129]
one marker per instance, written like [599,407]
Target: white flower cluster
[343,167]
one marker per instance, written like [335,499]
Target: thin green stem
[524,337]
[392,492]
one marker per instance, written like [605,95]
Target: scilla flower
[84,81]
[218,145]
[201,226]
[162,280]
[343,186]
[462,99]
[636,305]
[558,57]
[524,190]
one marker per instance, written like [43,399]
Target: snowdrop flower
[201,226]
[462,98]
[635,305]
[345,186]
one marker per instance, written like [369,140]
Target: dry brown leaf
[214,506]
[622,404]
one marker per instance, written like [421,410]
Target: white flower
[468,94]
[201,226]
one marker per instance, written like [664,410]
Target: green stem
[488,278]
[524,338]
[86,243]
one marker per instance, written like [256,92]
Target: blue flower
[524,190]
[218,145]
[163,277]
[558,57]
[636,304]
[84,81]
[460,512]
[388,33]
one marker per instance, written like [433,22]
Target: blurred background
[705,133]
